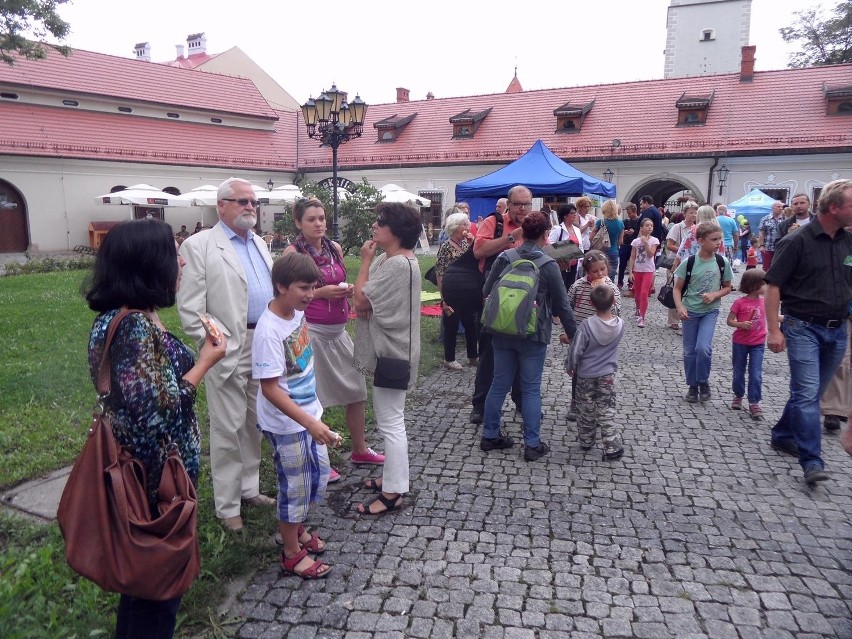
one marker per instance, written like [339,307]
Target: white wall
[60,194]
[687,54]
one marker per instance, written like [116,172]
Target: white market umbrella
[286,194]
[140,195]
[394,193]
[199,196]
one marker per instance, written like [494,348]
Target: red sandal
[312,544]
[312,572]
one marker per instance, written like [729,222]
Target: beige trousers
[836,398]
[234,438]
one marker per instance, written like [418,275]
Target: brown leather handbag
[110,535]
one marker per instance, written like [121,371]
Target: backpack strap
[690,262]
[720,262]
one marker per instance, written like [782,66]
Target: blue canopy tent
[540,170]
[753,206]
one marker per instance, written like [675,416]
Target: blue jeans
[612,258]
[814,352]
[753,355]
[527,357]
[698,346]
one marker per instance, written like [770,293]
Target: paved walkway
[701,530]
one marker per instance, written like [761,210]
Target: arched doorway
[14,232]
[663,187]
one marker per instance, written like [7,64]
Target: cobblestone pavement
[700,530]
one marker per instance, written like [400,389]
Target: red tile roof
[33,130]
[189,62]
[88,73]
[778,112]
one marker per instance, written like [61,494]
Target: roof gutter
[710,179]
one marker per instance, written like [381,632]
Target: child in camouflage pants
[593,359]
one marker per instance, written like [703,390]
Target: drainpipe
[710,180]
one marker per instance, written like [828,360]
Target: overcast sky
[451,48]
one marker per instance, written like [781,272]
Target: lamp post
[722,174]
[270,184]
[333,121]
[608,175]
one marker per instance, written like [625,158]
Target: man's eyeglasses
[521,205]
[243,201]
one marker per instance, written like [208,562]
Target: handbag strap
[104,385]
[410,305]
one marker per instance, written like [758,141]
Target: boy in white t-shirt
[289,412]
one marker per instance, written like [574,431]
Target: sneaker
[368,457]
[453,366]
[786,446]
[831,422]
[756,412]
[692,394]
[476,416]
[704,392]
[611,455]
[497,443]
[814,474]
[532,454]
[737,403]
[640,322]
[334,476]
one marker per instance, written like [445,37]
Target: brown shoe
[234,524]
[260,500]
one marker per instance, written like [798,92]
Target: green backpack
[511,309]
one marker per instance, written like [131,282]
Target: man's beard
[246,221]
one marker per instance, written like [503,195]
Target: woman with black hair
[567,230]
[387,300]
[154,376]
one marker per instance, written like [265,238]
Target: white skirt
[338,381]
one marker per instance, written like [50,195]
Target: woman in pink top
[641,268]
[748,317]
[338,382]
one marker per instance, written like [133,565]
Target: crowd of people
[281,354]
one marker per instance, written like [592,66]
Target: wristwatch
[510,238]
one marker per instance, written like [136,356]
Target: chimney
[747,64]
[179,48]
[430,96]
[196,43]
[143,51]
[401,95]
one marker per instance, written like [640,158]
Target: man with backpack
[498,231]
[523,291]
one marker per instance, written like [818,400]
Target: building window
[815,198]
[570,117]
[782,195]
[8,96]
[216,120]
[173,115]
[708,35]
[70,103]
[125,109]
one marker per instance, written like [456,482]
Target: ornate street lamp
[333,121]
[722,174]
[270,184]
[608,175]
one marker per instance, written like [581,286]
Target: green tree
[821,40]
[21,20]
[356,213]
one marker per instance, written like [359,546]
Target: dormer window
[466,123]
[391,128]
[692,109]
[571,115]
[838,100]
[708,35]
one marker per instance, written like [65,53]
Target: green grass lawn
[46,398]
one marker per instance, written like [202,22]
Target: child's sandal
[288,564]
[314,544]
